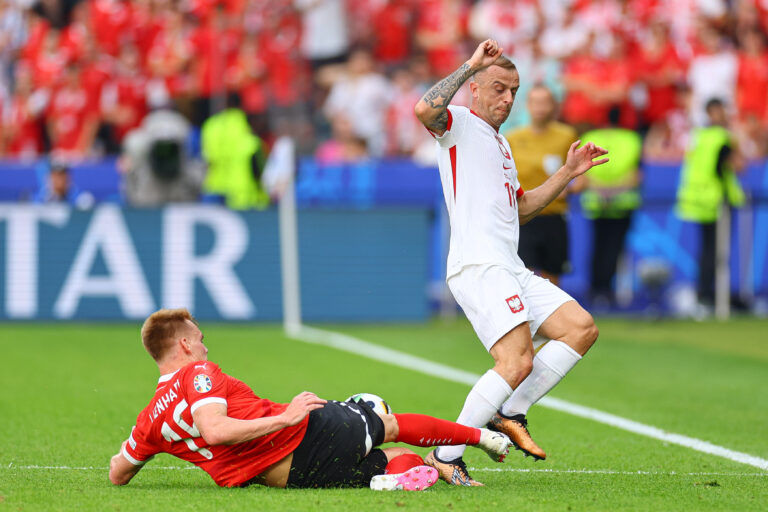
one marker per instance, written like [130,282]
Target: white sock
[550,365]
[482,402]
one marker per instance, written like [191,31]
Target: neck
[483,117]
[172,364]
[539,127]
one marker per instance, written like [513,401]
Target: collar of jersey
[166,377]
[483,120]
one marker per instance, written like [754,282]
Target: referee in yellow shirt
[539,151]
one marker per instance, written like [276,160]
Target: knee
[391,427]
[587,332]
[514,371]
[590,330]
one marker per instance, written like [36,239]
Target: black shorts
[544,244]
[337,449]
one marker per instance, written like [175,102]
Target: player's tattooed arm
[432,109]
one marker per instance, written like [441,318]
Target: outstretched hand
[486,54]
[301,405]
[582,159]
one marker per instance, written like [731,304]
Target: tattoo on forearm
[440,95]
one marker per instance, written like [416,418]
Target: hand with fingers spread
[301,405]
[485,55]
[582,159]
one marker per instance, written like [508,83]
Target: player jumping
[216,422]
[510,308]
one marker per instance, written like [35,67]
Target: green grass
[69,394]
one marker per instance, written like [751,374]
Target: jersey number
[170,435]
[512,194]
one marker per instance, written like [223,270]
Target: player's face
[541,105]
[493,94]
[196,345]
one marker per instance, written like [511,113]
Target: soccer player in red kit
[206,417]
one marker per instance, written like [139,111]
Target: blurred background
[144,146]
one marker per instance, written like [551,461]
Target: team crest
[502,148]
[515,304]
[202,383]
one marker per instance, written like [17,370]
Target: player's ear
[473,86]
[185,346]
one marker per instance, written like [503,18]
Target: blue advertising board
[112,263]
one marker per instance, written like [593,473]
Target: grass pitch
[69,394]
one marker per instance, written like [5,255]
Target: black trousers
[607,244]
[707,249]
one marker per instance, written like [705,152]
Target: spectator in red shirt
[582,79]
[752,78]
[71,122]
[170,54]
[247,75]
[660,68]
[96,68]
[440,29]
[215,46]
[50,61]
[124,97]
[391,34]
[21,134]
[287,79]
[111,22]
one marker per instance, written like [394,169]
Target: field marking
[370,350]
[610,472]
[487,470]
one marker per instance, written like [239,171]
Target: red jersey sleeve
[137,450]
[204,384]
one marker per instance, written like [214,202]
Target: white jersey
[481,191]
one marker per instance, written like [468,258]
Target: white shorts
[496,300]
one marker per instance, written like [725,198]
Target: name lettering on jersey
[165,401]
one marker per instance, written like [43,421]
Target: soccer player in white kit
[510,308]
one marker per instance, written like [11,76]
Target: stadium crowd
[76,76]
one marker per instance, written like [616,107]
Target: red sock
[403,463]
[423,430]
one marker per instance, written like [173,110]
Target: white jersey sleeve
[457,124]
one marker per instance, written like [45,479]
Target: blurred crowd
[342,76]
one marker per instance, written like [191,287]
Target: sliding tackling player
[509,307]
[216,422]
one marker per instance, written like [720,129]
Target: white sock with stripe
[551,364]
[482,402]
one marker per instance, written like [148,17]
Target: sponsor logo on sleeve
[202,383]
[515,304]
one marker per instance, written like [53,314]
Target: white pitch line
[395,357]
[612,472]
[87,468]
[486,470]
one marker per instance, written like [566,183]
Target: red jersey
[20,121]
[752,85]
[166,425]
[111,22]
[69,112]
[660,71]
[129,93]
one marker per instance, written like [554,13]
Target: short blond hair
[160,329]
[503,62]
